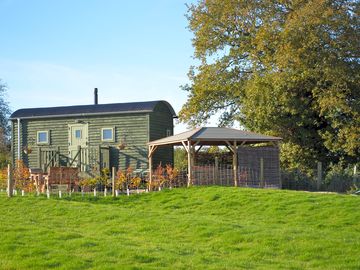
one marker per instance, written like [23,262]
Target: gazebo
[195,139]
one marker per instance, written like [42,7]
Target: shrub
[171,174]
[21,177]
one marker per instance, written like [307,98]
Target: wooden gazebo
[195,139]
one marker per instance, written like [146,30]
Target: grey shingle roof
[215,136]
[84,110]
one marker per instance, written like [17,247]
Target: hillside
[196,228]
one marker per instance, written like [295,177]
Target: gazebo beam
[197,151]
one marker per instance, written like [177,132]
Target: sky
[54,53]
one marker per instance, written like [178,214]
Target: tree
[285,68]
[4,126]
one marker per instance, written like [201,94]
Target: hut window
[168,132]
[107,134]
[43,137]
[78,134]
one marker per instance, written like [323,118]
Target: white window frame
[47,132]
[112,132]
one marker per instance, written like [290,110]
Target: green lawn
[196,228]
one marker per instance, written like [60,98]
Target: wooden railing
[48,158]
[85,159]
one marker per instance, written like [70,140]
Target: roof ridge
[251,132]
[91,109]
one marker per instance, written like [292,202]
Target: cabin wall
[131,127]
[161,120]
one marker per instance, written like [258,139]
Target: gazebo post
[235,164]
[189,150]
[152,149]
[150,167]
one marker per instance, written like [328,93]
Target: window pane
[42,137]
[107,134]
[78,134]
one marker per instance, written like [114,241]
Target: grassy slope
[197,228]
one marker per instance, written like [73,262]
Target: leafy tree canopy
[4,126]
[288,68]
[4,110]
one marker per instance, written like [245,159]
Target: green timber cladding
[133,125]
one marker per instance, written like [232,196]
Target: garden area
[193,228]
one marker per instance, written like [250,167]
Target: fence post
[113,181]
[319,175]
[355,175]
[9,182]
[262,172]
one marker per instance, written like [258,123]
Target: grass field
[196,228]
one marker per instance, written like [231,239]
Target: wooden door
[78,139]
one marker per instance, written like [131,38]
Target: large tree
[4,125]
[285,68]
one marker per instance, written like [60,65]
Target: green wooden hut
[92,137]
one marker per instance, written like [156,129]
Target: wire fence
[66,180]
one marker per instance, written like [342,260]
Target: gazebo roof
[215,136]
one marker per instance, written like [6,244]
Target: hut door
[78,145]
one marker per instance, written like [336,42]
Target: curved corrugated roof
[85,110]
[215,136]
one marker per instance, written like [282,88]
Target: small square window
[78,134]
[107,134]
[43,137]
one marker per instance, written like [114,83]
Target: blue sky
[54,53]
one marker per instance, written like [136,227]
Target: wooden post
[39,158]
[216,173]
[9,182]
[150,167]
[319,175]
[355,175]
[79,158]
[152,149]
[262,184]
[113,181]
[189,164]
[280,181]
[99,160]
[58,156]
[235,164]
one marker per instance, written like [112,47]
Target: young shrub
[129,173]
[3,178]
[123,178]
[158,178]
[103,179]
[120,179]
[135,182]
[88,183]
[171,173]
[21,176]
